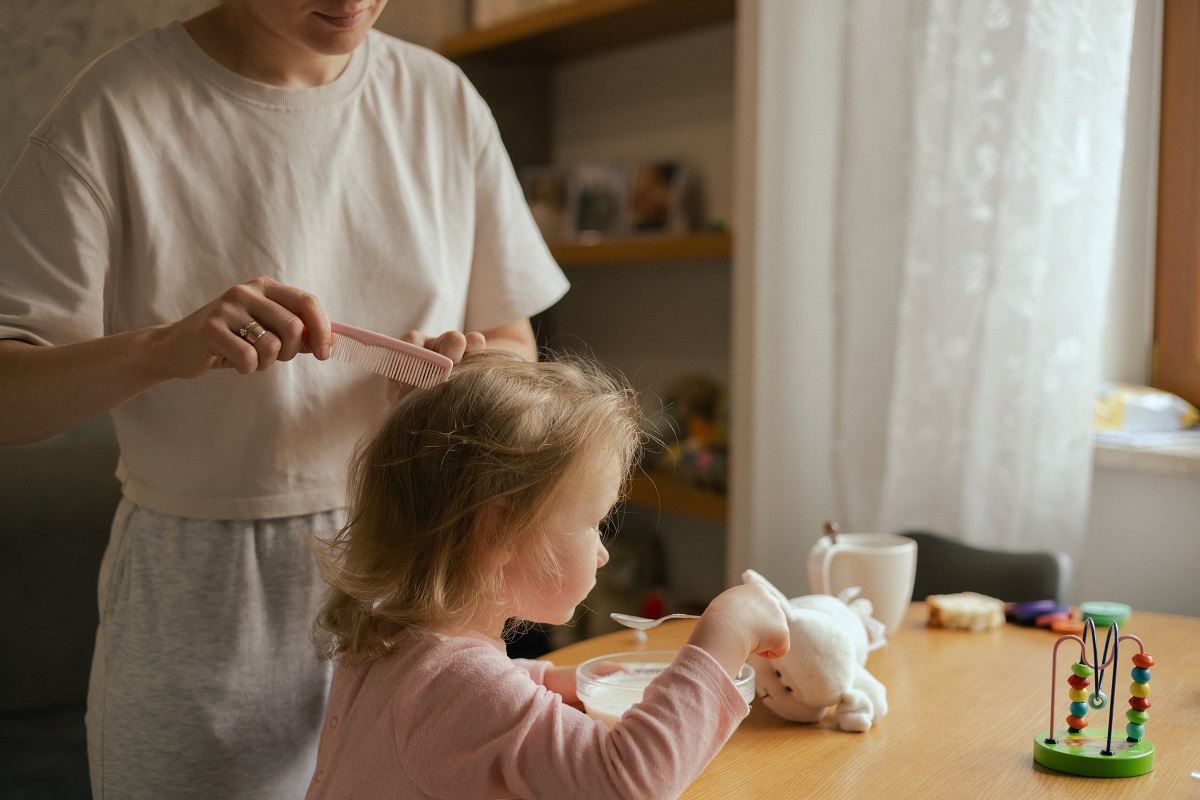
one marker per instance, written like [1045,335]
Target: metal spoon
[642,623]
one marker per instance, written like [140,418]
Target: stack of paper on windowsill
[1148,438]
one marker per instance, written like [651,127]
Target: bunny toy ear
[750,576]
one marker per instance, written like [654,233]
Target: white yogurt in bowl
[609,685]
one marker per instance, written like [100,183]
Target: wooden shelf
[688,247]
[660,489]
[514,61]
[586,27]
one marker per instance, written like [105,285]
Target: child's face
[587,495]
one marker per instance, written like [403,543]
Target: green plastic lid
[1104,613]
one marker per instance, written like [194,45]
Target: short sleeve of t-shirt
[54,252]
[505,234]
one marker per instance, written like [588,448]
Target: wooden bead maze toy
[1093,753]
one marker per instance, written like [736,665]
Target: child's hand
[742,620]
[562,681]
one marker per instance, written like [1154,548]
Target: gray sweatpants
[204,680]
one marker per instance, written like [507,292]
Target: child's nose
[601,556]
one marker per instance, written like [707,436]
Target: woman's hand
[515,337]
[47,389]
[452,344]
[209,337]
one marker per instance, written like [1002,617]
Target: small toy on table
[1038,613]
[1075,750]
[825,667]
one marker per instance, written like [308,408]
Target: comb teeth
[392,358]
[406,367]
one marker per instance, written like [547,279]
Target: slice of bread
[965,611]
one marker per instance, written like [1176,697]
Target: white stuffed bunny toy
[824,668]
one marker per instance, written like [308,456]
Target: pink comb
[392,358]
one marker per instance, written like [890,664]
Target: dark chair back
[946,566]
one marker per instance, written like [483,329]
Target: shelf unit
[661,489]
[586,27]
[686,247]
[510,63]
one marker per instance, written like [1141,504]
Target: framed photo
[598,199]
[656,197]
[547,190]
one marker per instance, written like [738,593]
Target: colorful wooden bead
[1135,731]
[1077,695]
[1078,682]
[1143,660]
[1140,717]
[1076,723]
[1080,710]
[1141,675]
[1139,690]
[1140,703]
[1082,670]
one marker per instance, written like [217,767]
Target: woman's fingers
[475,341]
[303,323]
[293,319]
[249,327]
[266,344]
[452,344]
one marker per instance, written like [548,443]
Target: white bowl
[609,685]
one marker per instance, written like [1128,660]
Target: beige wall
[44,43]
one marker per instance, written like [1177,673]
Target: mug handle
[826,564]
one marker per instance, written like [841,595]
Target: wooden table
[964,710]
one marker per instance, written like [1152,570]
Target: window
[1176,360]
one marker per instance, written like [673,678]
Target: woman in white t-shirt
[197,200]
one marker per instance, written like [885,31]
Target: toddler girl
[476,503]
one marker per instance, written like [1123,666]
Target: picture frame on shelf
[547,191]
[598,200]
[656,197]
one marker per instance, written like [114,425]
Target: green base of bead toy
[1081,754]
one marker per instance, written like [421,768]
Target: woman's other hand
[452,344]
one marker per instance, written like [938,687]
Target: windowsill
[1180,460]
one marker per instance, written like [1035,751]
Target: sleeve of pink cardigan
[536,669]
[490,731]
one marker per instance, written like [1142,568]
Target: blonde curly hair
[453,473]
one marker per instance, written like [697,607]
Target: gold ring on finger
[252,331]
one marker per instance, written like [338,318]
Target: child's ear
[490,529]
[501,556]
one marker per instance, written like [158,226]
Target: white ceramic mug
[884,565]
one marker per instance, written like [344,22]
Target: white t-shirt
[160,179]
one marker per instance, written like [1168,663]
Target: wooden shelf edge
[582,27]
[688,247]
[661,490]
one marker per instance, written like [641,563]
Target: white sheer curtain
[980,176]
